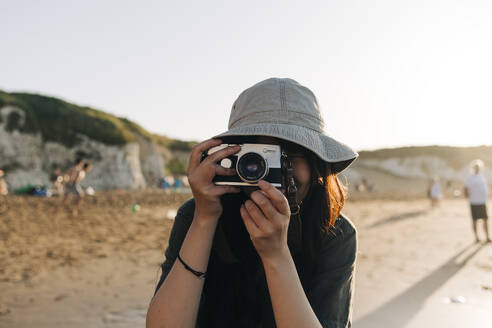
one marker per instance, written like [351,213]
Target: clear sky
[387,73]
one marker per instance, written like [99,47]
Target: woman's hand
[266,217]
[200,175]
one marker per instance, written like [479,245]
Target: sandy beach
[417,266]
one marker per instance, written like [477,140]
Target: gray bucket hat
[284,109]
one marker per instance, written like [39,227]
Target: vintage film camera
[253,162]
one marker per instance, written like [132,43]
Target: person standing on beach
[477,192]
[85,169]
[435,192]
[72,183]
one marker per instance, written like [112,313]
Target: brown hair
[322,174]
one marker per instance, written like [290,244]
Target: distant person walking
[72,179]
[477,192]
[85,169]
[435,191]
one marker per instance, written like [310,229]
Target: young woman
[239,258]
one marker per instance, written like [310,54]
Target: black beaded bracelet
[199,274]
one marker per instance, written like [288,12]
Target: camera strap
[294,235]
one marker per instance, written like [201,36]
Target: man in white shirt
[476,190]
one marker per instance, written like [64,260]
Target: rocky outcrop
[27,158]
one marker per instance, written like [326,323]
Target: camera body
[252,163]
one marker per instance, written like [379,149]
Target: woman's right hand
[200,175]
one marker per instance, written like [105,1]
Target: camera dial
[226,162]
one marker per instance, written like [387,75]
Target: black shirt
[329,289]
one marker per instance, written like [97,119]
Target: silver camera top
[252,163]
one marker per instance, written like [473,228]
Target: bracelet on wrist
[199,274]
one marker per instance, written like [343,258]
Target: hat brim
[327,148]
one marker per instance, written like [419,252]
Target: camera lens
[251,167]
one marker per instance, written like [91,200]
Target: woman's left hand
[266,217]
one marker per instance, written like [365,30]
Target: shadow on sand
[398,311]
[396,218]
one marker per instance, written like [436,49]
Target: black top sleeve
[330,290]
[182,223]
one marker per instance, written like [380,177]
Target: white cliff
[27,158]
[421,167]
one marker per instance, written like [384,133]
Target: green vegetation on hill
[62,122]
[174,144]
[175,166]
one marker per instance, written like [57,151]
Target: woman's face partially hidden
[302,175]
